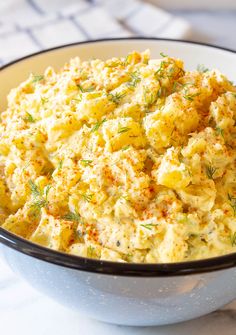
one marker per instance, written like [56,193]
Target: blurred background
[27,26]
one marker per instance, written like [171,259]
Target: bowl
[122,293]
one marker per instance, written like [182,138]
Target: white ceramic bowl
[126,294]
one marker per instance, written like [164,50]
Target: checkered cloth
[27,26]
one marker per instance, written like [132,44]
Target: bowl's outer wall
[127,300]
[124,300]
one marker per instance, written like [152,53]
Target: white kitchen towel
[27,26]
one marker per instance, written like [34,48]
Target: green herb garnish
[160,71]
[125,147]
[87,197]
[37,78]
[116,97]
[123,129]
[232,200]
[202,68]
[38,204]
[29,118]
[47,189]
[171,72]
[148,226]
[175,85]
[149,97]
[40,201]
[163,55]
[60,165]
[128,59]
[86,162]
[161,92]
[191,97]
[86,90]
[34,189]
[71,216]
[180,85]
[219,131]
[135,79]
[210,170]
[97,125]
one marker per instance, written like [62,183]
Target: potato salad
[131,159]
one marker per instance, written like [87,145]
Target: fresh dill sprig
[161,92]
[219,131]
[149,97]
[202,68]
[232,200]
[160,71]
[177,85]
[163,55]
[86,90]
[210,171]
[170,72]
[47,189]
[125,147]
[39,200]
[37,78]
[87,197]
[148,226]
[134,80]
[190,97]
[115,97]
[122,129]
[72,216]
[128,59]
[97,125]
[29,118]
[60,165]
[233,239]
[86,162]
[34,189]
[38,204]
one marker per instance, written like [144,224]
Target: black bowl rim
[107,267]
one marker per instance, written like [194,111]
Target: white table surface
[25,311]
